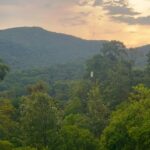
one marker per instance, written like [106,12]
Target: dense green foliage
[112,71]
[38,119]
[57,76]
[75,138]
[129,126]
[5,145]
[66,107]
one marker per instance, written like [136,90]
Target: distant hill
[27,47]
[33,47]
[139,55]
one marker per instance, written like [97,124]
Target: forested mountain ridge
[29,47]
[139,55]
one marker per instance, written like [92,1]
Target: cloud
[9,2]
[119,7]
[82,2]
[98,2]
[132,20]
[121,10]
[76,19]
[63,11]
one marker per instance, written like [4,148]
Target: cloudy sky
[124,20]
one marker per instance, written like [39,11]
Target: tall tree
[3,70]
[113,71]
[74,138]
[148,70]
[129,125]
[148,62]
[97,111]
[5,145]
[7,123]
[38,119]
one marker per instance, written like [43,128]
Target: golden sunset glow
[127,21]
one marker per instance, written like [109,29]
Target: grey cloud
[119,7]
[21,2]
[116,7]
[132,20]
[119,2]
[82,2]
[121,10]
[10,2]
[118,10]
[98,2]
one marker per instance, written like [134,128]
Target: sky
[124,20]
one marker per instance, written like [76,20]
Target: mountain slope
[32,46]
[139,55]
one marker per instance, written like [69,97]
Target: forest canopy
[64,107]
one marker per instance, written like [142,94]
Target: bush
[24,148]
[5,145]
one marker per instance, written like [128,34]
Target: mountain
[28,47]
[139,55]
[34,47]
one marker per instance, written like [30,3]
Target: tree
[80,120]
[75,138]
[73,107]
[97,111]
[148,70]
[61,91]
[129,125]
[40,86]
[3,70]
[112,71]
[148,62]
[24,148]
[5,145]
[138,76]
[7,123]
[38,119]
[114,50]
[80,92]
